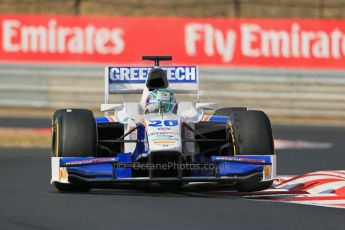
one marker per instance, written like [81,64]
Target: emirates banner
[291,43]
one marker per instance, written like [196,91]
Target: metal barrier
[281,93]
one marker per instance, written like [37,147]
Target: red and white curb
[322,188]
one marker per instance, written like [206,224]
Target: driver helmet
[163,99]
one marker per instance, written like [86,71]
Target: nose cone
[164,134]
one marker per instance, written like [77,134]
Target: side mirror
[200,107]
[111,107]
[206,106]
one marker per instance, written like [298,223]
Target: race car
[160,139]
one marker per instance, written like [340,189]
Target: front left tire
[252,135]
[74,134]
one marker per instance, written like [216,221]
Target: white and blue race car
[160,140]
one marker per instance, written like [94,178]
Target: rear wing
[132,79]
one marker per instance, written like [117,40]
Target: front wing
[114,170]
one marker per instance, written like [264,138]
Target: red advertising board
[291,43]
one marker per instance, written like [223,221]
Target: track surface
[28,201]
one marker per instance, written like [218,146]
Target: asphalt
[28,201]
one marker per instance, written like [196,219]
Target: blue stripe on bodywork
[101,120]
[229,169]
[101,170]
[218,119]
[93,171]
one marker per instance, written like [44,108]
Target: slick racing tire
[251,129]
[73,135]
[252,135]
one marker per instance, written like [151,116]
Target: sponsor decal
[265,40]
[236,159]
[52,36]
[185,74]
[163,136]
[168,140]
[164,142]
[163,128]
[312,43]
[90,161]
[163,133]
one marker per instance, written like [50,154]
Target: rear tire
[252,134]
[74,134]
